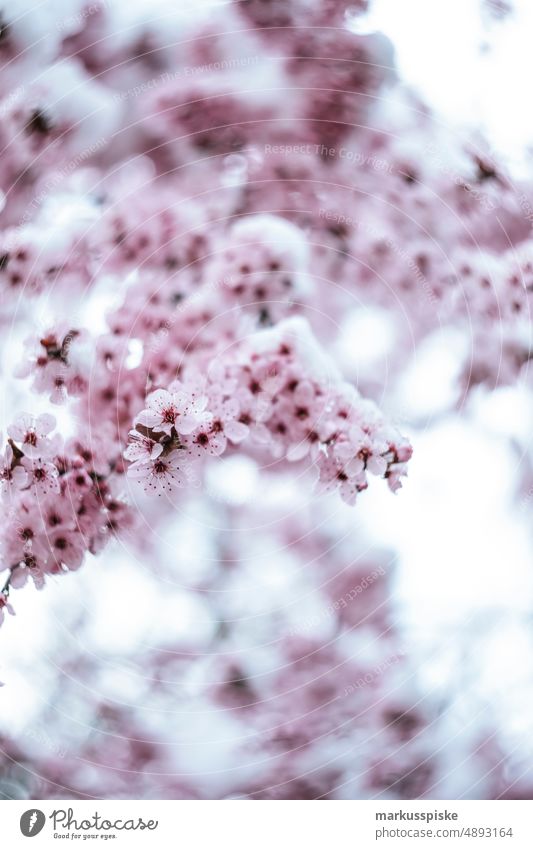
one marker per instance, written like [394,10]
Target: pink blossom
[178,410]
[66,549]
[5,605]
[142,447]
[359,452]
[42,475]
[23,532]
[32,567]
[207,441]
[161,473]
[32,434]
[11,475]
[57,513]
[218,232]
[225,424]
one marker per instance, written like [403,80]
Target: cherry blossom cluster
[59,500]
[274,393]
[193,205]
[57,363]
[158,158]
[264,267]
[215,213]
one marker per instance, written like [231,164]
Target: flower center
[169,415]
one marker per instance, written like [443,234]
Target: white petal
[354,467]
[236,431]
[159,399]
[44,424]
[261,433]
[186,424]
[377,465]
[148,418]
[20,477]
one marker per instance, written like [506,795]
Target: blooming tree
[191,209]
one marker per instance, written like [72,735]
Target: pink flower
[56,382]
[32,435]
[394,476]
[142,447]
[208,442]
[75,483]
[161,473]
[11,476]
[66,549]
[333,476]
[226,424]
[22,532]
[179,410]
[56,513]
[5,605]
[43,476]
[359,452]
[32,566]
[57,362]
[93,448]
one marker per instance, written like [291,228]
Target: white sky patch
[473,77]
[366,337]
